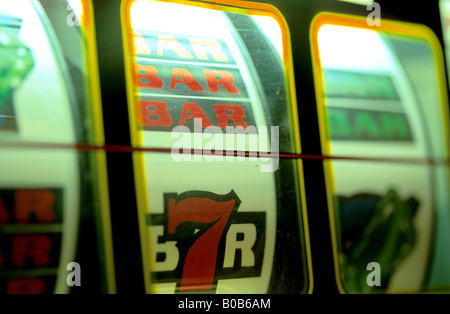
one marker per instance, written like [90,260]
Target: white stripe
[141,94]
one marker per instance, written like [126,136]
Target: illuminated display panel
[384,125]
[211,107]
[48,105]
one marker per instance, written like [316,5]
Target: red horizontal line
[108,148]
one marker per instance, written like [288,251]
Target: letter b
[154,113]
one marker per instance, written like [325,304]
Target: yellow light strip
[137,141]
[90,46]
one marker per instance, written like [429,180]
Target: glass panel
[384,124]
[47,105]
[211,105]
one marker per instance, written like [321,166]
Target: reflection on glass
[16,62]
[39,196]
[383,104]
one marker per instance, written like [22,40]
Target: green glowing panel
[344,84]
[354,124]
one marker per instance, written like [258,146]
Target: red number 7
[200,262]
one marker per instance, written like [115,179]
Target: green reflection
[375,229]
[353,124]
[15,58]
[345,84]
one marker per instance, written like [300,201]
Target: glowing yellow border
[97,137]
[237,6]
[391,27]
